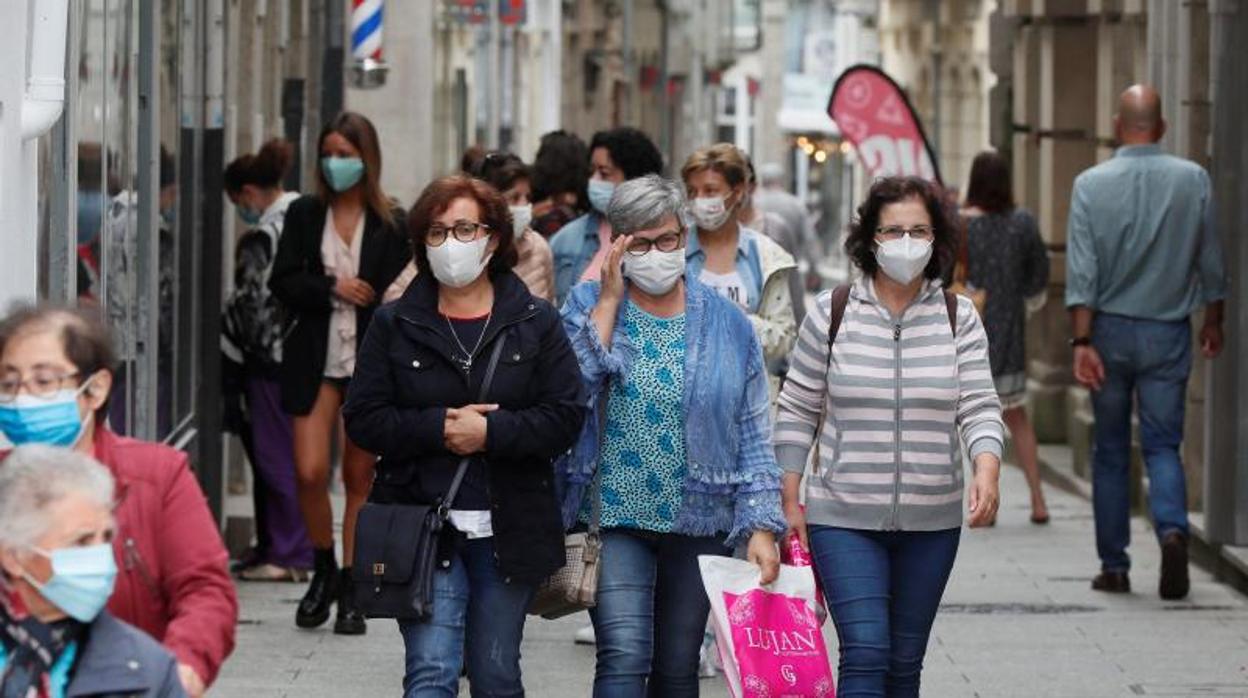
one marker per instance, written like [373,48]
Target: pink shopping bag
[769,638]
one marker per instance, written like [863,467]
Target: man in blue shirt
[1142,256]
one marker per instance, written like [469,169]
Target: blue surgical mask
[250,216]
[342,173]
[600,191]
[82,580]
[53,420]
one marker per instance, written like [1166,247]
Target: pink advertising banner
[875,116]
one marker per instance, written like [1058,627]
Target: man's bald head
[1139,116]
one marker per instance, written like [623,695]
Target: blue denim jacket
[733,481]
[573,247]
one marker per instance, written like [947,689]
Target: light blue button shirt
[748,264]
[1141,240]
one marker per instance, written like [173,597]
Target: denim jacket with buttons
[732,482]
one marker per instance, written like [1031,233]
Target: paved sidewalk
[1019,619]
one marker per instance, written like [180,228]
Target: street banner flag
[874,115]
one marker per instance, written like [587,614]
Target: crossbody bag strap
[445,508]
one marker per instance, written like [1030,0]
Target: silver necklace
[466,362]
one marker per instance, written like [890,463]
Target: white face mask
[655,272]
[904,259]
[711,212]
[521,216]
[457,264]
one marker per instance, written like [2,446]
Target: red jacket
[173,581]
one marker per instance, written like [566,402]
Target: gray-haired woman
[56,557]
[682,471]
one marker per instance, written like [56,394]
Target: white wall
[18,197]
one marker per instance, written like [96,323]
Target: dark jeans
[477,620]
[1146,363]
[651,613]
[883,590]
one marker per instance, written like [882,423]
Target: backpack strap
[840,300]
[951,307]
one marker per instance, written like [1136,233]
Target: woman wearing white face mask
[534,264]
[56,574]
[890,376]
[679,471]
[746,267]
[416,401]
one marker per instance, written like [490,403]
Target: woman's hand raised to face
[465,429]
[613,272]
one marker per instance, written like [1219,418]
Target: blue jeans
[883,590]
[477,620]
[651,613]
[1146,363]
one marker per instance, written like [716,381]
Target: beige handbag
[574,587]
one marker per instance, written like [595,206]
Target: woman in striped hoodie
[887,376]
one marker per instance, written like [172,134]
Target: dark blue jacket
[119,661]
[406,378]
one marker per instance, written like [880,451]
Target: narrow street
[1019,619]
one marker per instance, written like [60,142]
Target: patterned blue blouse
[643,460]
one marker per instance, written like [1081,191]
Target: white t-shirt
[729,285]
[341,262]
[474,523]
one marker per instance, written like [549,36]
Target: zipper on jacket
[895,525]
[134,562]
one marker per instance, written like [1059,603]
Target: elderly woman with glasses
[56,376]
[56,574]
[675,460]
[889,376]
[416,402]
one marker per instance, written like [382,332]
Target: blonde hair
[724,158]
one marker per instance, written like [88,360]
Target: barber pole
[369,69]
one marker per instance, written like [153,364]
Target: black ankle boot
[350,620]
[313,609]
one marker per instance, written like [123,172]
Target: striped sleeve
[979,409]
[801,400]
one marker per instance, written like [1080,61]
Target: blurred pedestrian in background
[56,378]
[773,196]
[581,246]
[1143,256]
[56,557]
[676,472]
[341,248]
[777,229]
[889,376]
[745,267]
[559,177]
[251,338]
[1009,263]
[511,178]
[415,401]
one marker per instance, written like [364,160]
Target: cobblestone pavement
[1019,619]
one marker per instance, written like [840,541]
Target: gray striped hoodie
[897,396]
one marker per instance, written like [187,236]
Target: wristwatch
[1080,341]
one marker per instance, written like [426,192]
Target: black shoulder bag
[396,545]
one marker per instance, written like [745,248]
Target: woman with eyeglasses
[676,455]
[888,378]
[415,401]
[56,376]
[340,249]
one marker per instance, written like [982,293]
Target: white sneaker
[585,636]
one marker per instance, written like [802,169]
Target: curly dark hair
[437,197]
[860,243]
[631,150]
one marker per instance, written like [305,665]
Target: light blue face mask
[600,192]
[52,420]
[342,173]
[82,580]
[249,216]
